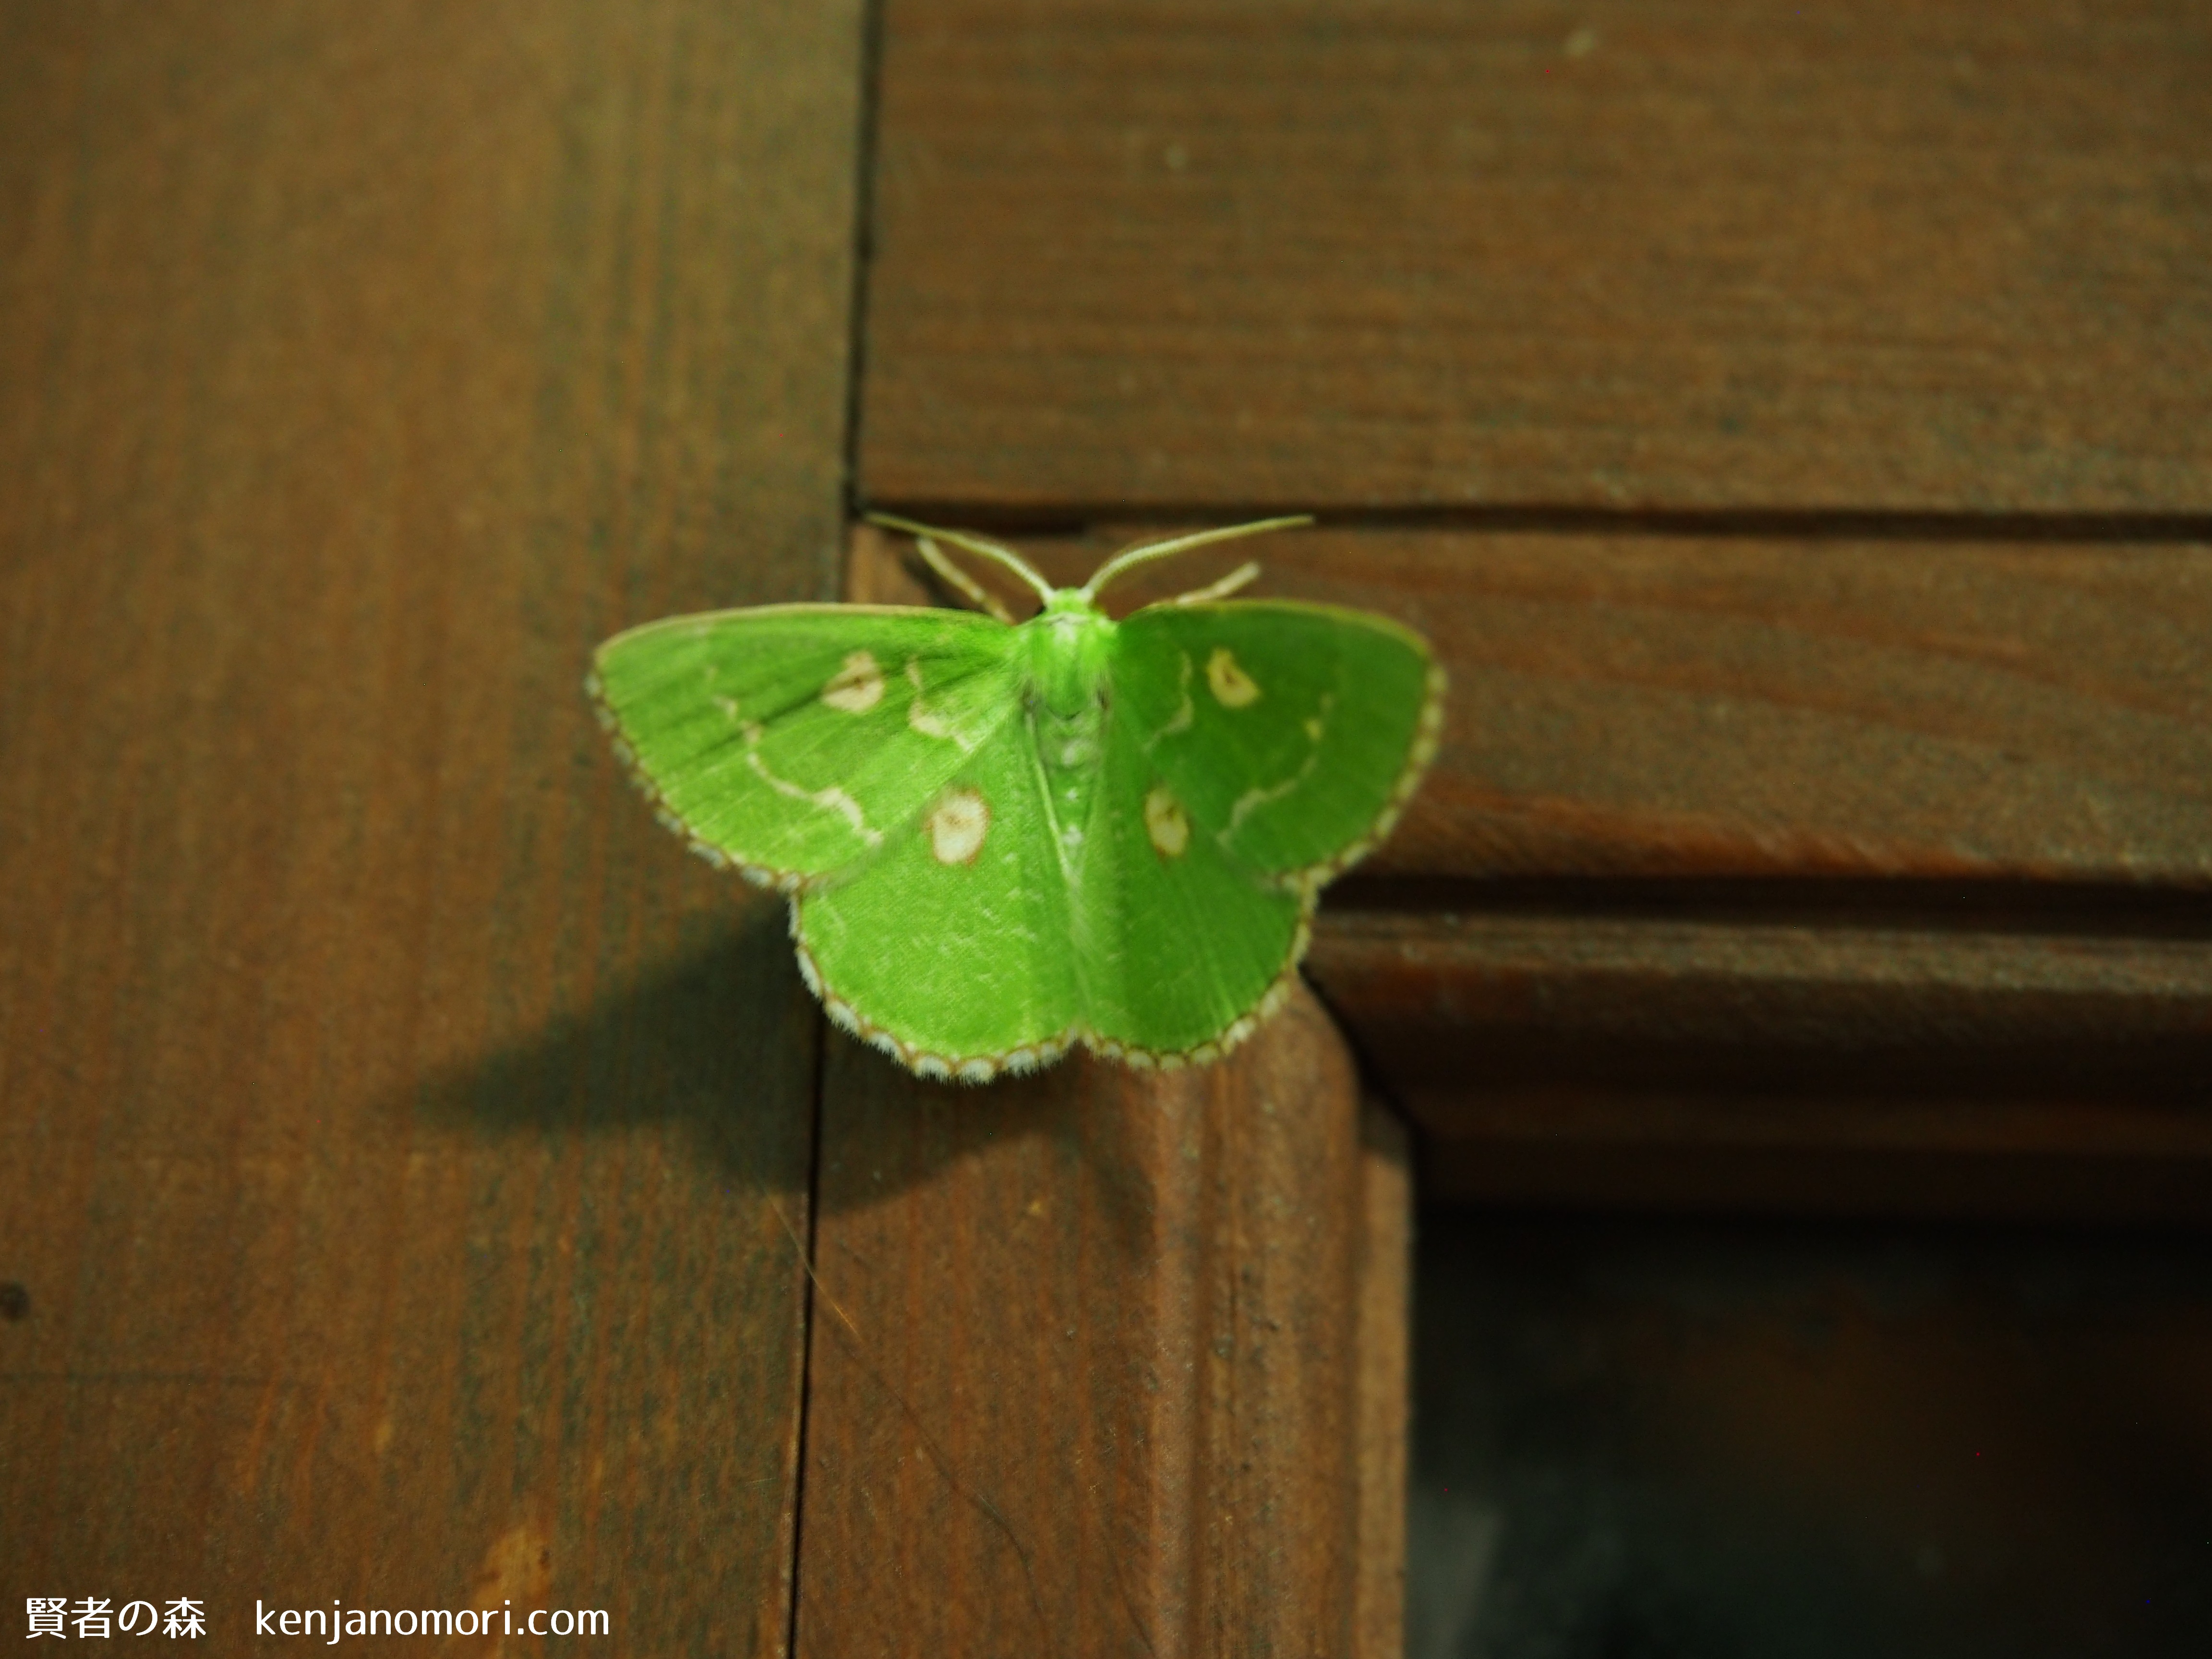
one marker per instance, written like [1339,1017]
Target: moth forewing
[791,741]
[1295,731]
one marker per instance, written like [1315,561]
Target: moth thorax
[1068,653]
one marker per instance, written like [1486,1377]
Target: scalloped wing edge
[936,1067]
[1428,734]
[760,874]
[793,882]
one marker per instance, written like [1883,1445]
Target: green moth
[1001,839]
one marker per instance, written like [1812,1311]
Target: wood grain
[403,1139]
[1215,253]
[1767,1064]
[1383,1340]
[1106,1362]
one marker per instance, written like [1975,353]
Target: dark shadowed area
[1644,1438]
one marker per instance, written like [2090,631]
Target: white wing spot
[1166,822]
[956,826]
[857,687]
[1233,687]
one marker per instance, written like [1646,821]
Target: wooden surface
[1209,255]
[1824,873]
[407,1146]
[1812,1065]
[1108,1363]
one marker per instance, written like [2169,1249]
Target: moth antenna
[1002,556]
[1145,553]
[972,591]
[1245,574]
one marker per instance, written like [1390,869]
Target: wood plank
[1207,254]
[1107,1362]
[403,1132]
[1767,1064]
[1385,1344]
[1710,707]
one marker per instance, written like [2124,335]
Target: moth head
[1070,641]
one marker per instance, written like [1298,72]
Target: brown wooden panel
[1729,707]
[1384,1336]
[401,1132]
[1808,1066]
[1963,1011]
[1397,252]
[1107,1362]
